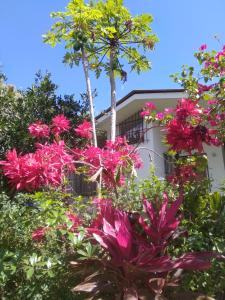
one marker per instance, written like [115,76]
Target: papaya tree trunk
[89,94]
[113,96]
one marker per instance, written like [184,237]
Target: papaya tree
[103,35]
[122,38]
[74,28]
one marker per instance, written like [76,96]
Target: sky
[182,26]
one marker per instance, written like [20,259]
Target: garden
[161,239]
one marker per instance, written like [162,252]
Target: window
[133,129]
[101,138]
[79,185]
[170,163]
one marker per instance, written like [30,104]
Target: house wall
[216,166]
[151,152]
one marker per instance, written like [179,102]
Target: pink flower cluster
[185,174]
[203,47]
[84,130]
[204,88]
[59,125]
[115,160]
[216,62]
[32,171]
[48,164]
[148,109]
[185,132]
[39,130]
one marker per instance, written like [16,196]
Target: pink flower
[168,110]
[150,106]
[204,88]
[32,171]
[84,130]
[213,102]
[39,130]
[144,113]
[186,108]
[203,47]
[60,124]
[160,116]
[39,233]
[23,171]
[213,123]
[115,160]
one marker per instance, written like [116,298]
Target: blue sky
[182,26]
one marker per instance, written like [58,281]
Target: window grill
[80,185]
[170,163]
[133,129]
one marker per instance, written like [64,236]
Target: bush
[38,269]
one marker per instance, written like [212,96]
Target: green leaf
[29,273]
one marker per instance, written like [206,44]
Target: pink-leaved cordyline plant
[136,257]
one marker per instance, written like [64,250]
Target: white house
[152,149]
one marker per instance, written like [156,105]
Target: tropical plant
[207,85]
[119,36]
[75,27]
[135,259]
[102,36]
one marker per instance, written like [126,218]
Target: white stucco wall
[215,165]
[146,155]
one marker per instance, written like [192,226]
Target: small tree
[18,109]
[75,29]
[103,36]
[120,36]
[206,84]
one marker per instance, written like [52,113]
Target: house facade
[150,142]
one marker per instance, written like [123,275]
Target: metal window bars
[133,129]
[170,163]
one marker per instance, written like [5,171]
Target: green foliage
[18,109]
[39,270]
[100,28]
[205,223]
[75,28]
[131,195]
